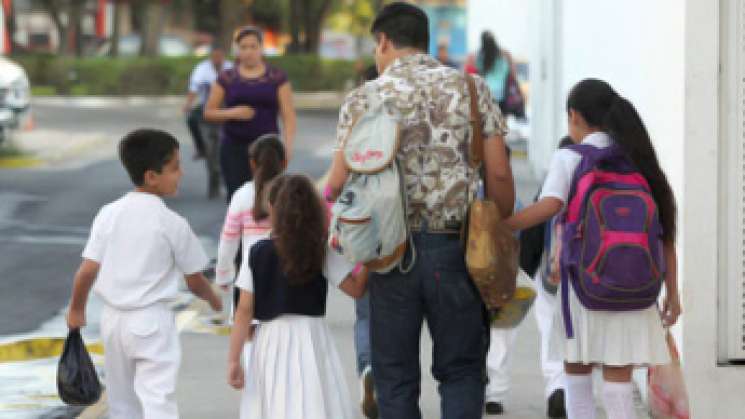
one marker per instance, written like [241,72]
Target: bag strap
[477,140]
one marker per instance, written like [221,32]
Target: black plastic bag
[77,380]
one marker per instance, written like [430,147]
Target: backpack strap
[477,140]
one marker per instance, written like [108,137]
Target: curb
[38,348]
[302,100]
[19,162]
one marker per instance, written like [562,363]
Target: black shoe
[494,408]
[556,407]
[369,402]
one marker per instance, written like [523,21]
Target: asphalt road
[45,214]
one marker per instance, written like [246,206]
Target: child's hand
[671,310]
[236,378]
[75,319]
[215,302]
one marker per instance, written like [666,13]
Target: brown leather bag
[492,251]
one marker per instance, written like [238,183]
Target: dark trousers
[206,142]
[439,291]
[234,164]
[193,120]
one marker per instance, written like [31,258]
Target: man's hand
[75,319]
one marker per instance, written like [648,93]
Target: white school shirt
[336,268]
[239,228]
[202,78]
[144,250]
[563,165]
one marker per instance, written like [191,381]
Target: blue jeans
[362,332]
[439,291]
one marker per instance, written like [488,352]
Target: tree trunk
[74,17]
[152,28]
[232,13]
[314,18]
[295,7]
[52,7]
[116,28]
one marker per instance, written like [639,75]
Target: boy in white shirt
[137,252]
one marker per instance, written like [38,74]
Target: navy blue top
[274,296]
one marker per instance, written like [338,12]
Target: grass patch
[9,150]
[43,90]
[11,157]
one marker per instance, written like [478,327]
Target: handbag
[491,248]
[668,398]
[514,101]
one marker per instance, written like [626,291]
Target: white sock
[579,399]
[618,399]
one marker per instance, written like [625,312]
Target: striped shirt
[240,227]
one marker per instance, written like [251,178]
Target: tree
[73,11]
[314,13]
[152,29]
[233,14]
[116,28]
[55,12]
[295,26]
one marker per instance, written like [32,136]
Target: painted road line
[19,162]
[38,348]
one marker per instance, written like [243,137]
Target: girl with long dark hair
[294,369]
[615,340]
[247,219]
[494,64]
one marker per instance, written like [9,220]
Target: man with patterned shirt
[432,103]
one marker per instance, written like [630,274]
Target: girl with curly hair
[294,370]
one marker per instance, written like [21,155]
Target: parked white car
[15,97]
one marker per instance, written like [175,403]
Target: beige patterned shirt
[432,103]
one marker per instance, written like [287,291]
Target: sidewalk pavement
[203,391]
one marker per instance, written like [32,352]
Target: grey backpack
[368,223]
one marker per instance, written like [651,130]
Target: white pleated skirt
[615,338]
[294,372]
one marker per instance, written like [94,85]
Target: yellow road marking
[38,348]
[18,162]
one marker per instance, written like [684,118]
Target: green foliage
[164,76]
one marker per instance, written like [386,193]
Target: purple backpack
[612,241]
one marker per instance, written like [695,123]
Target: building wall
[716,391]
[509,20]
[664,57]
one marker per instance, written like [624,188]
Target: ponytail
[268,155]
[603,108]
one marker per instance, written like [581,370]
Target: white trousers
[142,357]
[498,363]
[545,307]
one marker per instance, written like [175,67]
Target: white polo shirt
[144,249]
[202,78]
[558,182]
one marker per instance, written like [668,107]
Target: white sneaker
[369,403]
